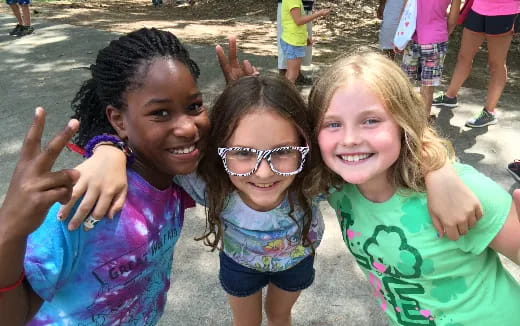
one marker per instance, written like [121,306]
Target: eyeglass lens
[244,161]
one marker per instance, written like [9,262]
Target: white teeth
[354,158]
[184,150]
[264,185]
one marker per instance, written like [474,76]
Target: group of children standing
[260,161]
[485,20]
[423,59]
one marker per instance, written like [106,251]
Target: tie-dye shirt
[419,279]
[264,241]
[117,274]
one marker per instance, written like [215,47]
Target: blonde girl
[377,147]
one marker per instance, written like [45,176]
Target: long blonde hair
[422,149]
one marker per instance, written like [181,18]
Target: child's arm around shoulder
[507,241]
[103,185]
[32,190]
[453,207]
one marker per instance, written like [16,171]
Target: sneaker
[484,118]
[302,80]
[443,100]
[15,30]
[25,30]
[514,169]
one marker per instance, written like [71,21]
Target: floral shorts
[425,62]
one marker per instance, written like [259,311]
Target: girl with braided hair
[143,89]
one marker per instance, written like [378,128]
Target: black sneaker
[514,169]
[482,119]
[16,30]
[303,81]
[25,30]
[443,100]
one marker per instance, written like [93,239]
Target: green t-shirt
[293,34]
[419,279]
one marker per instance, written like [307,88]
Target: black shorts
[492,25]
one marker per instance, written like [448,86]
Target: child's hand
[397,51]
[323,12]
[453,15]
[451,27]
[454,209]
[102,184]
[310,42]
[230,66]
[34,188]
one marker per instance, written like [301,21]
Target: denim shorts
[292,52]
[20,2]
[240,281]
[492,25]
[425,62]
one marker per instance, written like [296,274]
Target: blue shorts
[240,281]
[292,52]
[20,2]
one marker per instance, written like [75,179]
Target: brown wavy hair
[422,149]
[247,95]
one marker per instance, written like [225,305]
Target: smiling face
[164,122]
[360,141]
[263,129]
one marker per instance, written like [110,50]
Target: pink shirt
[496,7]
[432,21]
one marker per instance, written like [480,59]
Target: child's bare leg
[17,13]
[498,47]
[278,305]
[469,46]
[293,69]
[247,311]
[26,15]
[427,95]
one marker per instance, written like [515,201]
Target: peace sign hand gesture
[229,64]
[34,188]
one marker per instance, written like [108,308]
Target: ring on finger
[90,222]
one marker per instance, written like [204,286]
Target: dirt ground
[352,24]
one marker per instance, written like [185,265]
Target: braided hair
[120,67]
